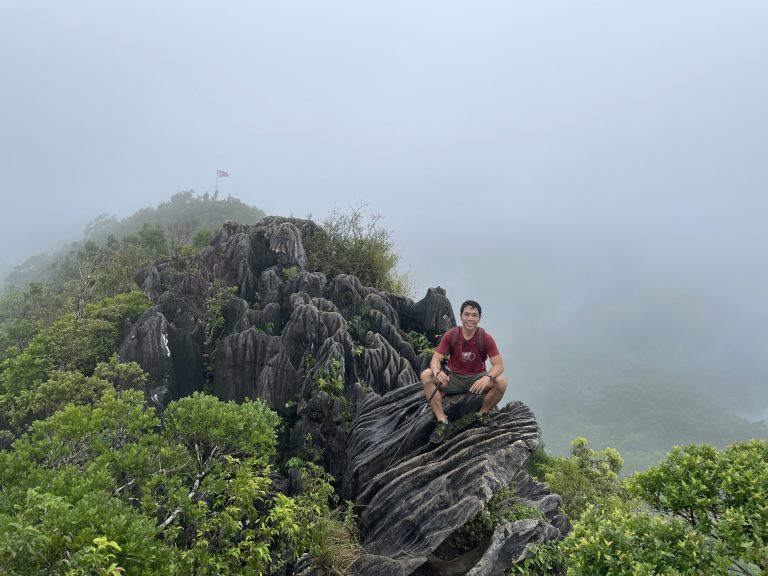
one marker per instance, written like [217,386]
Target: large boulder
[278,242]
[413,496]
[432,315]
[228,257]
[172,357]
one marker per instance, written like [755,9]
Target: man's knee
[501,383]
[427,377]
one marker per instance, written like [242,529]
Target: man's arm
[436,365]
[497,367]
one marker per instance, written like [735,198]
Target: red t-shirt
[466,358]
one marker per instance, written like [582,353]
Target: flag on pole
[221,174]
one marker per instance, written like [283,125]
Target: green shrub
[47,535]
[57,366]
[546,559]
[700,511]
[331,382]
[624,540]
[480,527]
[586,477]
[355,244]
[420,343]
[339,544]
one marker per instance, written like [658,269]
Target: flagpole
[220,173]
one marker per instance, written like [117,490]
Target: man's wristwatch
[489,375]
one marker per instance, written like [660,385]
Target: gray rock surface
[171,356]
[411,508]
[432,315]
[413,495]
[276,241]
[228,257]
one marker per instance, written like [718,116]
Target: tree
[57,365]
[152,239]
[700,511]
[722,495]
[24,313]
[586,477]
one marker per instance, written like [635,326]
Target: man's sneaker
[440,432]
[484,419]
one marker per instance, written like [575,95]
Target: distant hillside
[5,268]
[182,218]
[184,215]
[640,413]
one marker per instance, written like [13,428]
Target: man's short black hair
[471,304]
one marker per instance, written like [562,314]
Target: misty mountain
[644,366]
[630,407]
[183,216]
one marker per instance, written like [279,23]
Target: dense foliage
[105,488]
[623,539]
[699,511]
[88,274]
[59,365]
[722,495]
[583,478]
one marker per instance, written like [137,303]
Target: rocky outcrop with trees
[250,317]
[263,417]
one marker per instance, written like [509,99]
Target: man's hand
[442,379]
[480,385]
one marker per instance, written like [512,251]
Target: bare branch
[168,521]
[131,482]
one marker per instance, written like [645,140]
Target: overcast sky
[578,167]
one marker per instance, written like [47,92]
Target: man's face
[470,317]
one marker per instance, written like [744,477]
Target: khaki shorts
[461,383]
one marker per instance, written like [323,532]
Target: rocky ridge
[332,357]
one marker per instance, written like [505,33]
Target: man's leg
[494,394]
[429,382]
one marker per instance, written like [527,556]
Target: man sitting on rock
[467,347]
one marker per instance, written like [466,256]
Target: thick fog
[594,173]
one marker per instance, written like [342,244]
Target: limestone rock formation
[412,495]
[244,319]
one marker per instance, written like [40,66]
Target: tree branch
[168,521]
[131,482]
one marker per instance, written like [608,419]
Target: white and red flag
[222,173]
